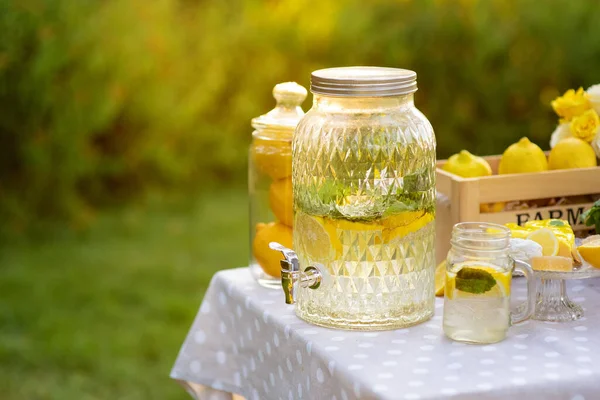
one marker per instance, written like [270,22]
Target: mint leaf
[330,191]
[399,206]
[556,222]
[473,280]
[419,181]
[592,216]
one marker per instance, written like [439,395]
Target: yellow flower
[571,104]
[585,126]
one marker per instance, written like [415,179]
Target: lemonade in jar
[363,170]
[478,284]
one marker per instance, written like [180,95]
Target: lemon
[317,236]
[360,241]
[561,228]
[500,289]
[467,165]
[269,259]
[272,157]
[400,225]
[522,157]
[517,231]
[440,278]
[564,249]
[572,152]
[494,230]
[280,200]
[546,223]
[550,263]
[547,239]
[344,224]
[590,252]
[502,278]
[402,219]
[492,207]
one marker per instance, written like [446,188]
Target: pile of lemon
[523,157]
[273,158]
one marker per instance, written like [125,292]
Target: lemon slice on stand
[556,263]
[547,239]
[590,250]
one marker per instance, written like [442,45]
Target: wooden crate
[464,196]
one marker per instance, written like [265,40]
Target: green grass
[102,314]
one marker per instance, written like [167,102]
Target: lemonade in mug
[478,278]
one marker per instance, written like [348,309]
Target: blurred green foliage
[100,100]
[101,315]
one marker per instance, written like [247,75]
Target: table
[246,340]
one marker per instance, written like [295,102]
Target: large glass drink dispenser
[363,167]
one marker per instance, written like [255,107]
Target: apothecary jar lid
[363,81]
[287,113]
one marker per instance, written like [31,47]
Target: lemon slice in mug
[496,282]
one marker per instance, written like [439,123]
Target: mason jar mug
[478,284]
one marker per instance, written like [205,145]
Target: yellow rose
[572,104]
[585,126]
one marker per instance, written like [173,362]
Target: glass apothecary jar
[270,181]
[363,167]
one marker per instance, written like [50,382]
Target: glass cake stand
[553,303]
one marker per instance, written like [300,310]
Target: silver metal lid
[363,81]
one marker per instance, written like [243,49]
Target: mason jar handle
[525,310]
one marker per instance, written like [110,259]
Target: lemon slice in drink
[354,225]
[316,236]
[499,288]
[547,239]
[401,225]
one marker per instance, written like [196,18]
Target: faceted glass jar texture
[364,204]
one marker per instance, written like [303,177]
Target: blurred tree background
[104,102]
[100,100]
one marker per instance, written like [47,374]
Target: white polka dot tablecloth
[246,340]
